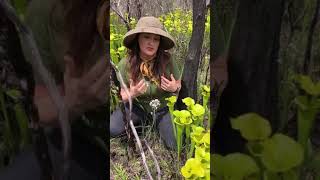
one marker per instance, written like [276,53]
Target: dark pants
[87,162]
[140,117]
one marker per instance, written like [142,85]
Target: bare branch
[127,24]
[154,159]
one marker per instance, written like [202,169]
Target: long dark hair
[81,30]
[163,59]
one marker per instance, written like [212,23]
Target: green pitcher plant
[205,92]
[182,120]
[268,156]
[189,123]
[197,112]
[171,102]
[196,137]
[189,102]
[308,107]
[199,166]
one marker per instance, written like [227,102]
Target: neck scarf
[146,67]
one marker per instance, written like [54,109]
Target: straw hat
[149,24]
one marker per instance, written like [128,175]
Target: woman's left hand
[170,85]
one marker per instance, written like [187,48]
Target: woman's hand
[81,92]
[170,86]
[135,90]
[86,91]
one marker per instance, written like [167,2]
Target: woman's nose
[153,41]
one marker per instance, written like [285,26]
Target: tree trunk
[139,9]
[307,56]
[189,77]
[252,71]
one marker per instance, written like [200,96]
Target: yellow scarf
[146,67]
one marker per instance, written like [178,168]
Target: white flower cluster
[155,104]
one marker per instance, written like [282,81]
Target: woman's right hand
[87,91]
[81,92]
[135,90]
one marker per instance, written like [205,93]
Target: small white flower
[155,104]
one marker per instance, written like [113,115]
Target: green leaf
[281,153]
[122,48]
[112,37]
[14,94]
[252,126]
[239,166]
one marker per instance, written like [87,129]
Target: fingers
[131,83]
[142,89]
[141,82]
[165,80]
[164,88]
[96,71]
[172,77]
[70,68]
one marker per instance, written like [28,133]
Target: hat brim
[167,40]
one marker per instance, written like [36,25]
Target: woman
[72,39]
[150,74]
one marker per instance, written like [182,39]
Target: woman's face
[148,44]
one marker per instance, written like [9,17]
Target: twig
[154,159]
[141,149]
[122,18]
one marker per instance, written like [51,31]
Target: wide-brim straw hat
[149,24]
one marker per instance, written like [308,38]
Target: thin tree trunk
[307,57]
[194,51]
[139,9]
[252,71]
